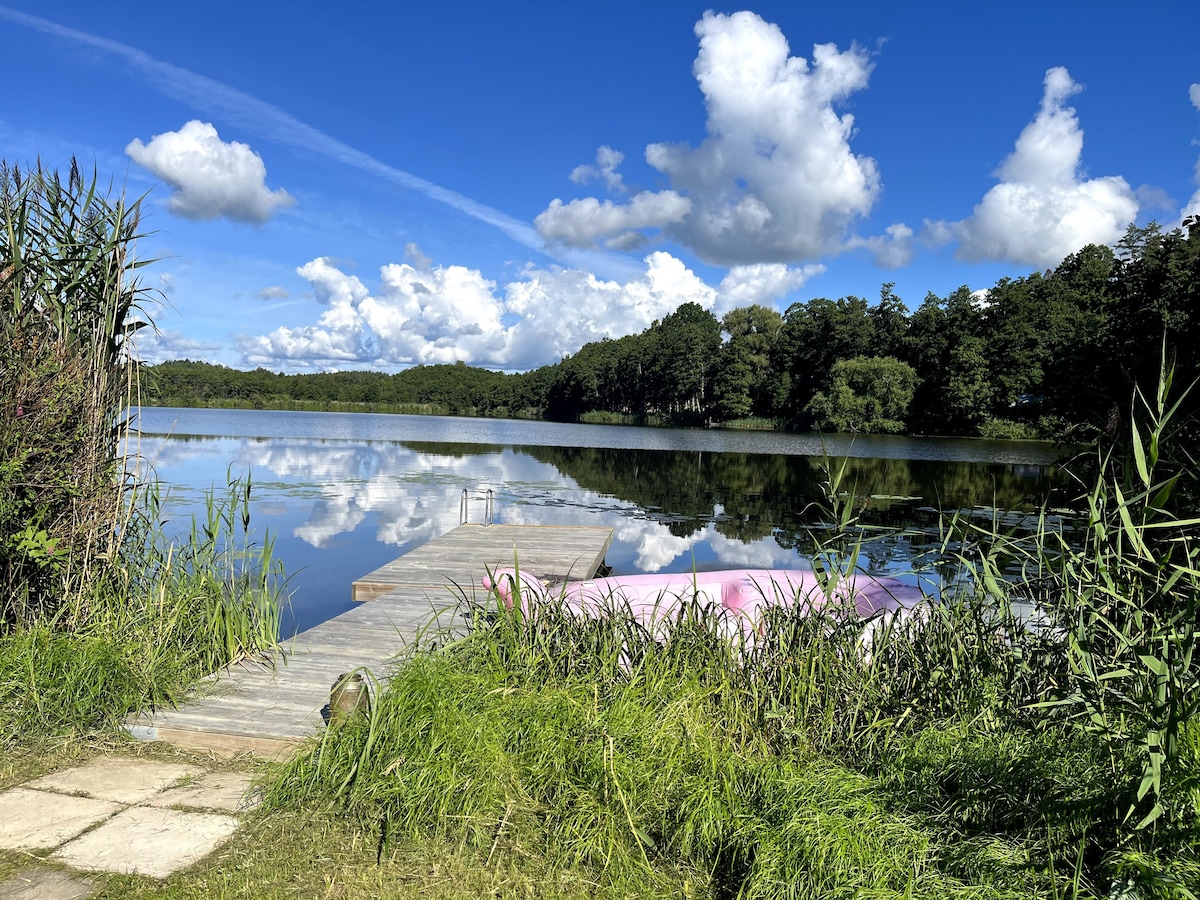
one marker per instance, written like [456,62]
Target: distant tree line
[456,389]
[1049,354]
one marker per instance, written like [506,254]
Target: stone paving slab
[217,790]
[116,779]
[118,815]
[36,820]
[147,840]
[46,884]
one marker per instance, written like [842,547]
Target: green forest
[1053,354]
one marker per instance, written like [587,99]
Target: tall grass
[100,612]
[640,770]
[168,611]
[750,423]
[1129,602]
[1118,600]
[656,757]
[216,587]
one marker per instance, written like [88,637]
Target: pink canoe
[745,592]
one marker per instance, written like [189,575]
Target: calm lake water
[342,494]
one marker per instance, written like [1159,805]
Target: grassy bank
[962,749]
[591,754]
[170,611]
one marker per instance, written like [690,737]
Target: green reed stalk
[69,295]
[100,611]
[168,611]
[1128,601]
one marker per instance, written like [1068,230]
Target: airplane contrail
[273,123]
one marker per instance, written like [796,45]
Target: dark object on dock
[348,697]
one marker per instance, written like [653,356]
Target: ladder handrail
[489,502]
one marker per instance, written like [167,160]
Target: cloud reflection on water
[398,495]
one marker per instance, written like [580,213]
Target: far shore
[596,418]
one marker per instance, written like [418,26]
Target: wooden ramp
[269,711]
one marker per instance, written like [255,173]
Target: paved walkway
[119,815]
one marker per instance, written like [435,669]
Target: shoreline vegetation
[104,610]
[1033,732]
[958,749]
[997,431]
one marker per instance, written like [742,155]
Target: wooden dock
[551,552]
[269,711]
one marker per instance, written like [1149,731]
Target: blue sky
[381,185]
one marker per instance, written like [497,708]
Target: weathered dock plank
[269,710]
[548,551]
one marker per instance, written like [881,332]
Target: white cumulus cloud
[210,178]
[1043,209]
[605,169]
[440,314]
[582,223]
[775,179]
[432,314]
[761,283]
[560,310]
[892,249]
[151,346]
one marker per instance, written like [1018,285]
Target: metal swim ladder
[489,501]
